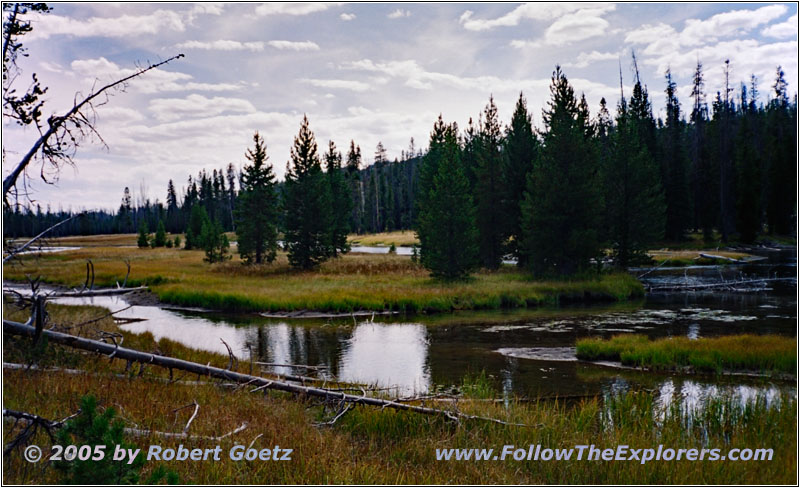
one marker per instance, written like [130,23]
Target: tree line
[555,199]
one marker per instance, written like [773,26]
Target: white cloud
[783,30]
[530,11]
[292,8]
[194,106]
[583,24]
[399,14]
[735,22]
[585,59]
[347,17]
[295,45]
[222,45]
[356,86]
[154,81]
[207,8]
[47,25]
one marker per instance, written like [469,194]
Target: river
[525,353]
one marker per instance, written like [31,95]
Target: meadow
[350,282]
[743,352]
[373,446]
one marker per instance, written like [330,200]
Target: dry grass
[352,282]
[372,446]
[398,238]
[692,257]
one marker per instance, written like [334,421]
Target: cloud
[207,8]
[347,17]
[583,24]
[585,59]
[48,25]
[529,11]
[194,105]
[735,22]
[154,81]
[222,45]
[399,14]
[295,45]
[292,8]
[783,30]
[356,86]
[415,76]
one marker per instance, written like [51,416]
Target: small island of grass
[769,354]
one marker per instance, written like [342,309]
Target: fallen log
[722,284]
[17,328]
[721,258]
[96,293]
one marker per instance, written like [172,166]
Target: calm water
[527,352]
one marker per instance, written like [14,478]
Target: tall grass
[352,282]
[745,352]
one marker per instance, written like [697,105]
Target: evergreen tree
[674,167]
[634,200]
[160,239]
[307,203]
[356,186]
[194,230]
[781,149]
[747,162]
[256,213]
[702,172]
[560,213]
[489,189]
[446,222]
[215,242]
[520,151]
[340,200]
[143,241]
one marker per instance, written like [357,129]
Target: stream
[527,353]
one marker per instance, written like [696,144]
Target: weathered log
[722,258]
[96,293]
[17,328]
[722,284]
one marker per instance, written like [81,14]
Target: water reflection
[387,355]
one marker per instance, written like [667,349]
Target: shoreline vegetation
[373,446]
[351,283]
[764,354]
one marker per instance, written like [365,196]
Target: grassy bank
[352,282]
[398,238]
[372,446]
[746,352]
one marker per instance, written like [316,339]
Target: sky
[367,72]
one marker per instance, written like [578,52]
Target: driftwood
[721,258]
[722,284]
[105,292]
[17,328]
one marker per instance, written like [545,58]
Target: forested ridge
[555,196]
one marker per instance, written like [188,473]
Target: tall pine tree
[489,189]
[340,200]
[307,203]
[256,213]
[560,213]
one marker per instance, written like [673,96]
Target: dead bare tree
[61,135]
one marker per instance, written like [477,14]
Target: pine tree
[194,229]
[307,203]
[143,240]
[356,188]
[160,239]
[489,189]
[702,172]
[215,242]
[674,167]
[446,221]
[634,200]
[781,149]
[340,201]
[519,153]
[560,213]
[747,162]
[256,213]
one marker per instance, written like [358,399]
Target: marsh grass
[352,282]
[373,446]
[745,352]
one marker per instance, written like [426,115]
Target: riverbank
[350,283]
[743,353]
[373,446]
